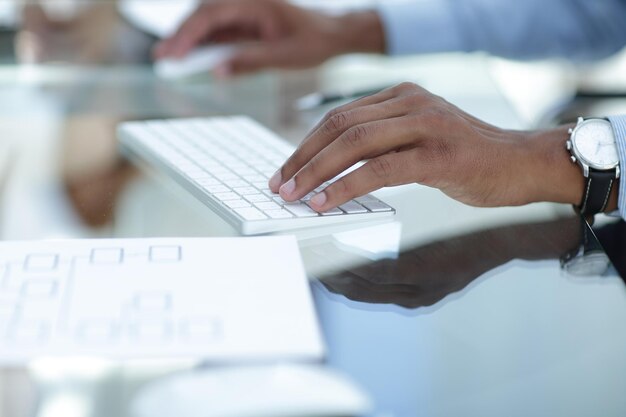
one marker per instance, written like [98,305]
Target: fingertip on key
[318,200]
[288,188]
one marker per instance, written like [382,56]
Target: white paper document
[224,299]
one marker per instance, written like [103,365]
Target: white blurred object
[159,18]
[200,60]
[260,391]
[607,76]
[162,18]
[534,88]
[65,10]
[375,242]
[336,6]
[9,15]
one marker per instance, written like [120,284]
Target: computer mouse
[253,391]
[199,60]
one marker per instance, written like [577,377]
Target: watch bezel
[580,156]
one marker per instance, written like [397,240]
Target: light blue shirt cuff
[419,26]
[528,29]
[619,128]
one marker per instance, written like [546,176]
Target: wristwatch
[592,145]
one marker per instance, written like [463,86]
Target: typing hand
[277,34]
[407,135]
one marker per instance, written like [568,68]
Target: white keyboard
[226,162]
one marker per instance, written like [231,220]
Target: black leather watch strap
[597,191]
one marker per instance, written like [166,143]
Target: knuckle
[381,168]
[355,136]
[406,86]
[337,122]
[332,113]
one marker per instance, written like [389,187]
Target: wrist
[553,177]
[360,32]
[558,179]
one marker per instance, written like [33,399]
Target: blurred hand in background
[273,34]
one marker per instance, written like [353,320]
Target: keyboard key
[279,200]
[301,210]
[226,176]
[256,178]
[233,204]
[366,199]
[250,213]
[256,198]
[251,159]
[245,190]
[352,207]
[226,196]
[279,214]
[235,183]
[376,206]
[269,193]
[217,169]
[216,188]
[208,181]
[268,205]
[332,212]
[246,171]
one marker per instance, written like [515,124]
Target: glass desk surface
[449,310]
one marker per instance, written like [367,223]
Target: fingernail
[289,187]
[318,199]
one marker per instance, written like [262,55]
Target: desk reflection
[426,274]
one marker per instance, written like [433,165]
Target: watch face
[594,143]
